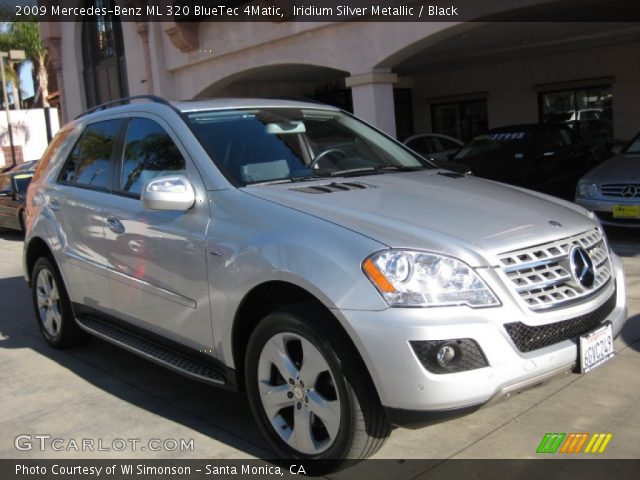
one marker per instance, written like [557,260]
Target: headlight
[587,189]
[417,279]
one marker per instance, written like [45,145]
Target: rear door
[157,259]
[78,202]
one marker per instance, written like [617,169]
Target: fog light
[447,354]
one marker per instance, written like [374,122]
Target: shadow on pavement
[219,414]
[11,235]
[631,332]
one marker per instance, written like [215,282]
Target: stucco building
[453,78]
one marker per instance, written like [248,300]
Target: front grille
[618,190]
[527,338]
[541,275]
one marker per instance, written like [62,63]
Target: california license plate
[626,211]
[596,347]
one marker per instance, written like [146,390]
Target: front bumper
[406,388]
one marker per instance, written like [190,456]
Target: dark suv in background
[545,157]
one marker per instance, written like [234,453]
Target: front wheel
[53,307]
[312,398]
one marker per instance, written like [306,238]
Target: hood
[623,168]
[434,210]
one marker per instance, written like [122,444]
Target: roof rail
[123,101]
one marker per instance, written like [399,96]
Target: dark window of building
[587,111]
[103,56]
[463,120]
[149,152]
[89,164]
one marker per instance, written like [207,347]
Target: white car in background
[612,189]
[438,149]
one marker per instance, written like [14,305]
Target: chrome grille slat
[540,274]
[615,189]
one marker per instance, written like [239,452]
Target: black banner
[535,469]
[324,10]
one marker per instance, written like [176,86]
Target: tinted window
[549,141]
[149,152]
[52,150]
[90,161]
[420,144]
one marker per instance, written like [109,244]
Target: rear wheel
[52,306]
[312,398]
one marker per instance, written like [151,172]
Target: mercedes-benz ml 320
[292,251]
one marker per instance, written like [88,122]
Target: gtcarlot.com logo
[574,443]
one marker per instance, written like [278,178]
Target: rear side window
[149,152]
[51,153]
[89,164]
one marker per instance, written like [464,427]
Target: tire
[296,377]
[52,306]
[22,221]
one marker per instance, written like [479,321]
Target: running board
[152,351]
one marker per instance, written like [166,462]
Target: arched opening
[103,56]
[301,81]
[476,76]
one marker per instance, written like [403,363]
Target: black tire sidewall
[286,322]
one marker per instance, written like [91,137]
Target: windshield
[502,145]
[634,146]
[288,144]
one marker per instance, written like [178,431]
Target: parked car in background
[612,189]
[289,250]
[437,148]
[21,167]
[545,157]
[13,192]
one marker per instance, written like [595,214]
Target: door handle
[115,225]
[54,204]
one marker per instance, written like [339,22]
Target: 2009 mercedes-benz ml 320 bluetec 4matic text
[291,250]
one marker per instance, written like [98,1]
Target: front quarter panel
[252,241]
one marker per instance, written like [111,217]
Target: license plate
[596,348]
[626,211]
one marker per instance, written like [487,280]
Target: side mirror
[168,193]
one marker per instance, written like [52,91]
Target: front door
[157,259]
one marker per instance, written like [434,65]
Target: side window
[549,141]
[52,150]
[89,164]
[449,145]
[149,152]
[567,138]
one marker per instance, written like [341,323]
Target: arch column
[372,95]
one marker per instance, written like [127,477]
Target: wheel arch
[268,297]
[35,249]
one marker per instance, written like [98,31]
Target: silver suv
[289,250]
